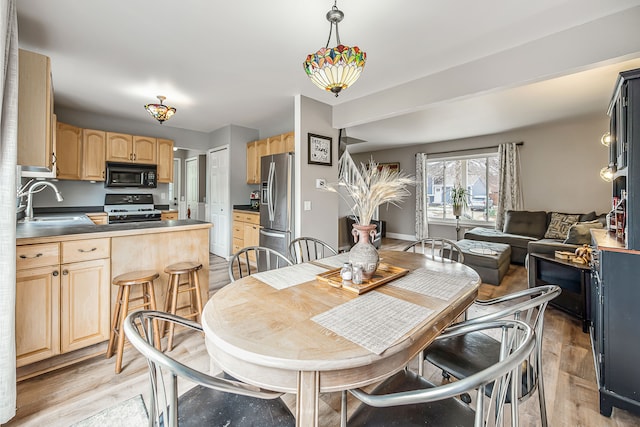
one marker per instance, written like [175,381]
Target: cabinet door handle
[32,257]
[55,273]
[130,156]
[54,159]
[90,250]
[65,272]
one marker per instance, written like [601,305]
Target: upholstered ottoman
[490,260]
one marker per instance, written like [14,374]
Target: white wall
[560,164]
[321,221]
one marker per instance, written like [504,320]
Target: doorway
[191,187]
[218,163]
[175,190]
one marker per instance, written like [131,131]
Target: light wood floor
[73,393]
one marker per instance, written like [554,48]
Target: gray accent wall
[560,164]
[321,221]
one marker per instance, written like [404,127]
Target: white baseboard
[408,237]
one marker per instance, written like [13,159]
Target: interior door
[174,189]
[191,187]
[219,201]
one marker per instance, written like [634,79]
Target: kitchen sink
[58,220]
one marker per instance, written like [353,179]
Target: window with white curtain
[476,173]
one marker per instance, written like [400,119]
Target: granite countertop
[31,231]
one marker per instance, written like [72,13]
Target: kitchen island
[64,296]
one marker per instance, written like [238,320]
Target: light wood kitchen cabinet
[168,215]
[93,154]
[98,217]
[69,146]
[252,164]
[62,297]
[257,149]
[37,302]
[36,123]
[165,160]
[131,149]
[246,229]
[119,147]
[145,150]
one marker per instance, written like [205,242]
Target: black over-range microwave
[131,175]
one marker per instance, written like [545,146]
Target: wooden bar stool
[191,285]
[125,282]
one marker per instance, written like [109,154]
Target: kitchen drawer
[238,216]
[84,250]
[252,218]
[238,230]
[237,245]
[41,255]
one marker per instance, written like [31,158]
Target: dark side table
[573,278]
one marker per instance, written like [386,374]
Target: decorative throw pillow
[579,234]
[560,224]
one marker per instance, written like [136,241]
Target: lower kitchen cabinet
[84,304]
[37,314]
[246,229]
[62,297]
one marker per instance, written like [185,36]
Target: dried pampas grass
[370,186]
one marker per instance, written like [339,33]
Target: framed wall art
[320,150]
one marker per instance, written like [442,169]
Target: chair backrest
[517,343]
[437,249]
[254,259]
[305,249]
[164,370]
[529,306]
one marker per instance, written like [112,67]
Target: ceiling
[436,70]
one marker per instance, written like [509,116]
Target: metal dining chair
[407,399]
[214,401]
[305,249]
[254,259]
[437,249]
[463,356]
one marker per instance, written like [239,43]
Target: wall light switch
[307,205]
[321,183]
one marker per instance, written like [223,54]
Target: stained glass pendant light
[337,68]
[160,112]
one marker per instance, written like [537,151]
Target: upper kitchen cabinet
[119,147]
[165,160]
[69,146]
[36,123]
[93,154]
[273,145]
[145,150]
[131,149]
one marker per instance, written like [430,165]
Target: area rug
[130,413]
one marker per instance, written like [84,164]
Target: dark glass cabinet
[615,281]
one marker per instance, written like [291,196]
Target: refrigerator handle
[272,208]
[276,235]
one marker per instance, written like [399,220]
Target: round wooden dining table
[277,330]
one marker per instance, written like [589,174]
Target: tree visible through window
[477,174]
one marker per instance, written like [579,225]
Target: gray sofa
[525,232]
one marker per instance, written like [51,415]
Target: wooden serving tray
[383,274]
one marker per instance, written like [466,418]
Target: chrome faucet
[37,187]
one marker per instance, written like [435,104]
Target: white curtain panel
[422,223]
[8,153]
[510,182]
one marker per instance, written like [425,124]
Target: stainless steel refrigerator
[276,204]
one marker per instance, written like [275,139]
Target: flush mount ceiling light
[337,68]
[606,139]
[160,112]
